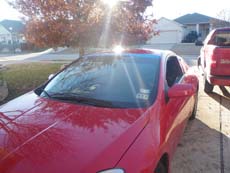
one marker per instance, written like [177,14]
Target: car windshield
[109,81]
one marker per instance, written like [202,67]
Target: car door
[175,110]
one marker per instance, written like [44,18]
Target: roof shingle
[13,26]
[194,18]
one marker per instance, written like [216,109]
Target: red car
[103,113]
[215,59]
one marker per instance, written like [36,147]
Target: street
[47,55]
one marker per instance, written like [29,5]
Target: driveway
[205,145]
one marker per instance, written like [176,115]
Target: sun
[118,49]
[110,3]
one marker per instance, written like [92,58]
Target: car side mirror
[51,76]
[181,90]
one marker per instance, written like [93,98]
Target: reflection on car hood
[40,135]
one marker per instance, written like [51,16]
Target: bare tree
[223,19]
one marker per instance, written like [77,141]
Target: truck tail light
[213,63]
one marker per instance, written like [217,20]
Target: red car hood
[40,135]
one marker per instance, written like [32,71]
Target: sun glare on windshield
[110,3]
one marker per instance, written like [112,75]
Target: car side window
[173,71]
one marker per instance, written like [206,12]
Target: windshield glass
[124,81]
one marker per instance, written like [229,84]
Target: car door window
[173,71]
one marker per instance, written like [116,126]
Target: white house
[170,32]
[11,35]
[12,32]
[5,35]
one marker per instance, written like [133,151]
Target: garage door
[166,37]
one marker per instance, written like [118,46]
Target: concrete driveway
[205,145]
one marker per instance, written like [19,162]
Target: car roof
[223,29]
[138,51]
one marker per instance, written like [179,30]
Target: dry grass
[22,78]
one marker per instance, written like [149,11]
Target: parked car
[104,113]
[214,59]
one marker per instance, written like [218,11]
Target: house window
[3,39]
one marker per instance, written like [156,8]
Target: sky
[170,9]
[7,12]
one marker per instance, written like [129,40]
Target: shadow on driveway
[224,99]
[200,150]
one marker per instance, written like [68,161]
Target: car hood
[41,135]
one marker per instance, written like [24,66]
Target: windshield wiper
[45,92]
[79,99]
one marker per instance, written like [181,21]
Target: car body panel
[52,129]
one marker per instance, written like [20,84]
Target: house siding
[169,32]
[5,36]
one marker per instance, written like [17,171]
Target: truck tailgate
[223,61]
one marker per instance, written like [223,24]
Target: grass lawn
[22,78]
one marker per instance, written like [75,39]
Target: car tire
[161,168]
[194,111]
[207,86]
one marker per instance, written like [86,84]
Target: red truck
[214,59]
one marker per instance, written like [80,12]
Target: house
[200,23]
[11,35]
[5,35]
[186,28]
[13,32]
[170,32]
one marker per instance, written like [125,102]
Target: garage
[169,32]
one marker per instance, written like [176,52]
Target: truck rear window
[221,38]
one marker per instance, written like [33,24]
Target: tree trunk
[81,51]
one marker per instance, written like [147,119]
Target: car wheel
[207,86]
[160,168]
[194,111]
